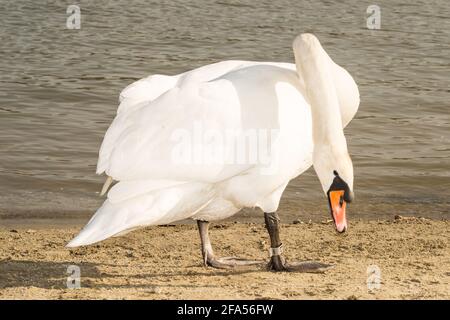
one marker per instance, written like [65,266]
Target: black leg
[277,261]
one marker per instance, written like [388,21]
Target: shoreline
[164,262]
[289,214]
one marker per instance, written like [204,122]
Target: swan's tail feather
[156,207]
[106,185]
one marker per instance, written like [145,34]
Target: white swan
[166,146]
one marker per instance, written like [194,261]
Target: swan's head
[335,172]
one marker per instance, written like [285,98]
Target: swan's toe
[233,262]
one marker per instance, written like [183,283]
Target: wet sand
[164,262]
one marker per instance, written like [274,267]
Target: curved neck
[314,65]
[330,147]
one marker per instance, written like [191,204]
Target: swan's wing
[153,86]
[146,89]
[167,138]
[192,132]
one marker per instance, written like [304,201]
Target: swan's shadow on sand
[54,275]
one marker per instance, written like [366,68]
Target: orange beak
[337,206]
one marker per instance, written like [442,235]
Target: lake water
[59,91]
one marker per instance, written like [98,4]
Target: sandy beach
[164,262]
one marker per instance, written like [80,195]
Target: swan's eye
[348,196]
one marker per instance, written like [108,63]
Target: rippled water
[59,90]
